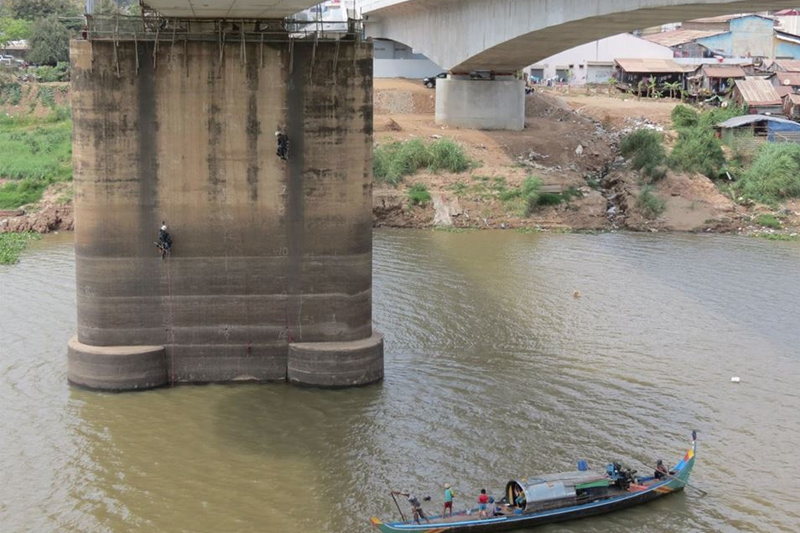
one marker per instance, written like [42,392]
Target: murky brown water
[493,370]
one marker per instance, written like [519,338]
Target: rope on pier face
[261,52]
[136,51]
[171,334]
[155,47]
[221,40]
[244,47]
[336,57]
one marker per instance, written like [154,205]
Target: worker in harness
[164,243]
[283,145]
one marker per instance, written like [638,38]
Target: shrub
[774,174]
[697,150]
[418,194]
[459,189]
[549,198]
[768,221]
[446,154]
[47,74]
[530,193]
[12,244]
[17,193]
[649,204]
[684,116]
[644,149]
[394,161]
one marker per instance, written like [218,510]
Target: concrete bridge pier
[487,104]
[270,274]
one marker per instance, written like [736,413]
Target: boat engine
[622,477]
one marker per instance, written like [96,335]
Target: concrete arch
[508,35]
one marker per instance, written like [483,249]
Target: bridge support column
[497,104]
[271,263]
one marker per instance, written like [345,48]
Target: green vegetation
[34,152]
[697,148]
[684,116]
[48,74]
[768,221]
[644,149]
[12,245]
[779,236]
[523,199]
[650,205]
[774,174]
[459,189]
[418,195]
[453,229]
[394,161]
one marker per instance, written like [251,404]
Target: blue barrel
[583,465]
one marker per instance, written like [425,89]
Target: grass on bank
[34,153]
[774,174]
[12,245]
[394,161]
[418,195]
[649,204]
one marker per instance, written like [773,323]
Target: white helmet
[277,133]
[164,227]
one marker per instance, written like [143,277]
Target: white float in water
[735,379]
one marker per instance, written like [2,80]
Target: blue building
[734,36]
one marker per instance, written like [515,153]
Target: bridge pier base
[269,277]
[497,104]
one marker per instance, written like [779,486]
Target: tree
[107,7]
[49,41]
[673,88]
[13,30]
[34,10]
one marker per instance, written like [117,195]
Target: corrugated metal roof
[744,120]
[714,71]
[788,79]
[758,92]
[727,18]
[677,37]
[787,65]
[650,66]
[783,91]
[795,98]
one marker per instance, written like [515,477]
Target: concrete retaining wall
[266,252]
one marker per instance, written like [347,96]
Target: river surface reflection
[493,370]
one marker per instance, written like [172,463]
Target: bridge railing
[170,29]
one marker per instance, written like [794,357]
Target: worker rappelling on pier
[263,248]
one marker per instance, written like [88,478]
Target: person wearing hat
[661,470]
[283,145]
[416,507]
[164,240]
[448,499]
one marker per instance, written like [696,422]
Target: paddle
[398,506]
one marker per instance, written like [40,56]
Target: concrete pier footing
[116,368]
[270,256]
[336,364]
[481,104]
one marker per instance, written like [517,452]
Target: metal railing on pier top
[153,27]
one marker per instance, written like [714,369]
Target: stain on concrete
[253,130]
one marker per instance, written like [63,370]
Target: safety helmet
[164,227]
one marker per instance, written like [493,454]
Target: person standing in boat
[416,507]
[661,470]
[448,499]
[483,503]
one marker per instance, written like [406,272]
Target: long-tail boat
[556,497]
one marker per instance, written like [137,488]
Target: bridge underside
[232,9]
[506,36]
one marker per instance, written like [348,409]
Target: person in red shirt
[483,502]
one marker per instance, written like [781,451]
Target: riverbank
[570,148]
[571,142]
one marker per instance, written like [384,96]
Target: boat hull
[507,523]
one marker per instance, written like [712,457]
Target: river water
[493,370]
